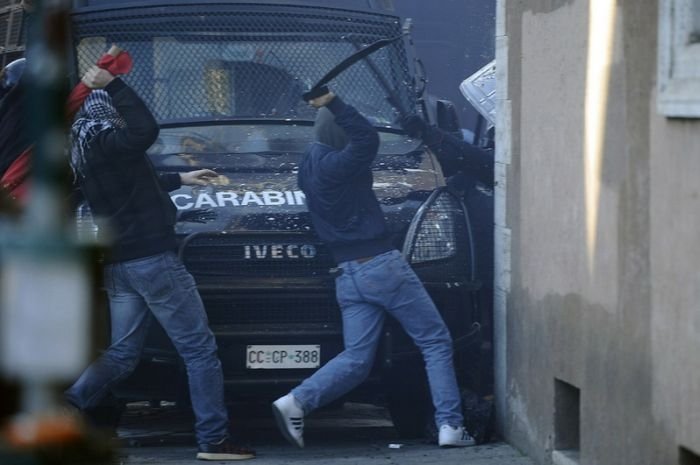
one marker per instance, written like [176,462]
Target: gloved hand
[414,125]
[458,184]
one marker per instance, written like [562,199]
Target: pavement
[353,434]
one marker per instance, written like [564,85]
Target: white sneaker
[290,419]
[455,437]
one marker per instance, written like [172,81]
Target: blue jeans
[366,292]
[158,286]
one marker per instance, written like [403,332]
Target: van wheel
[106,416]
[410,407]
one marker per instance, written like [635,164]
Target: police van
[224,79]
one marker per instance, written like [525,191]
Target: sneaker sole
[450,446]
[215,456]
[282,426]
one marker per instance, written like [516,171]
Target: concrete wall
[598,213]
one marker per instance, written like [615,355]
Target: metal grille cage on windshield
[215,61]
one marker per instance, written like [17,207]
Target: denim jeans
[158,286]
[366,292]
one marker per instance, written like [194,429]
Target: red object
[121,64]
[13,181]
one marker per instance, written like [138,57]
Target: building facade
[11,43]
[597,220]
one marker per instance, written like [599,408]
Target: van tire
[409,405]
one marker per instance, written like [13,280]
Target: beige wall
[604,290]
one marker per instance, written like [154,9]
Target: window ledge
[680,98]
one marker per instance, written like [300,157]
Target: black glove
[458,184]
[414,125]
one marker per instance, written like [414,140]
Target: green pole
[44,285]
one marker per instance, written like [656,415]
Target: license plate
[283,356]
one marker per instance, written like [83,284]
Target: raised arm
[141,127]
[363,140]
[454,154]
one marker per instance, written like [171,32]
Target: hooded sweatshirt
[14,133]
[336,177]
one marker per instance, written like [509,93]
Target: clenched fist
[97,78]
[322,101]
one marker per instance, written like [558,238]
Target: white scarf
[96,115]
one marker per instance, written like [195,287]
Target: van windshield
[246,61]
[251,146]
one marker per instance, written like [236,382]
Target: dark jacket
[338,188]
[127,198]
[14,133]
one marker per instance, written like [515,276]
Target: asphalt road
[354,434]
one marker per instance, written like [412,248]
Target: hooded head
[327,131]
[11,75]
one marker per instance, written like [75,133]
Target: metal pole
[44,281]
[44,278]
[502,237]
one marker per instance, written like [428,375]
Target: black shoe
[225,450]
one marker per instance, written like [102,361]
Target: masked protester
[374,280]
[144,278]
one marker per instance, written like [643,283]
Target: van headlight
[433,233]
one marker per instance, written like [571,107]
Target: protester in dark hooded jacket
[15,139]
[144,278]
[468,170]
[373,280]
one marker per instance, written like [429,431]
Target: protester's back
[337,180]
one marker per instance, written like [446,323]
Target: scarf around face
[97,114]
